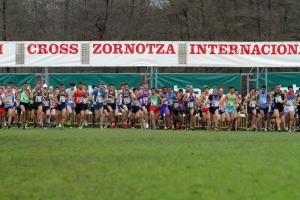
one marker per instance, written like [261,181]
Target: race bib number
[99,99]
[176,105]
[38,99]
[127,100]
[206,104]
[191,104]
[85,100]
[136,103]
[46,103]
[252,104]
[153,102]
[62,99]
[9,101]
[79,99]
[290,102]
[215,103]
[145,100]
[278,99]
[263,100]
[230,103]
[110,100]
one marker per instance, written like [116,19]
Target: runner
[38,105]
[25,96]
[135,108]
[143,98]
[190,101]
[71,114]
[61,108]
[205,106]
[17,106]
[112,96]
[214,108]
[230,102]
[178,109]
[125,101]
[154,101]
[290,103]
[79,104]
[87,104]
[222,108]
[278,106]
[46,107]
[171,96]
[8,100]
[164,109]
[2,96]
[239,108]
[99,96]
[251,101]
[263,102]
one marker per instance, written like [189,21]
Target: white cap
[45,86]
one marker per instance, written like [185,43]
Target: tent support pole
[46,75]
[266,77]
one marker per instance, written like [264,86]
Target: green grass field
[138,164]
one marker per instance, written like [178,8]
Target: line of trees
[241,20]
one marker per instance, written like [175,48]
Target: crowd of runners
[148,108]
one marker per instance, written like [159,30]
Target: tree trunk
[4,31]
[235,19]
[186,17]
[66,17]
[258,21]
[270,19]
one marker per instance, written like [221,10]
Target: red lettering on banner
[107,49]
[256,50]
[233,49]
[31,49]
[139,48]
[201,49]
[118,49]
[54,49]
[96,48]
[150,46]
[129,48]
[293,49]
[265,51]
[170,49]
[160,49]
[73,49]
[1,48]
[222,49]
[42,48]
[245,49]
[280,50]
[213,47]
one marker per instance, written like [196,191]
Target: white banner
[133,54]
[244,54]
[7,54]
[52,54]
[149,53]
